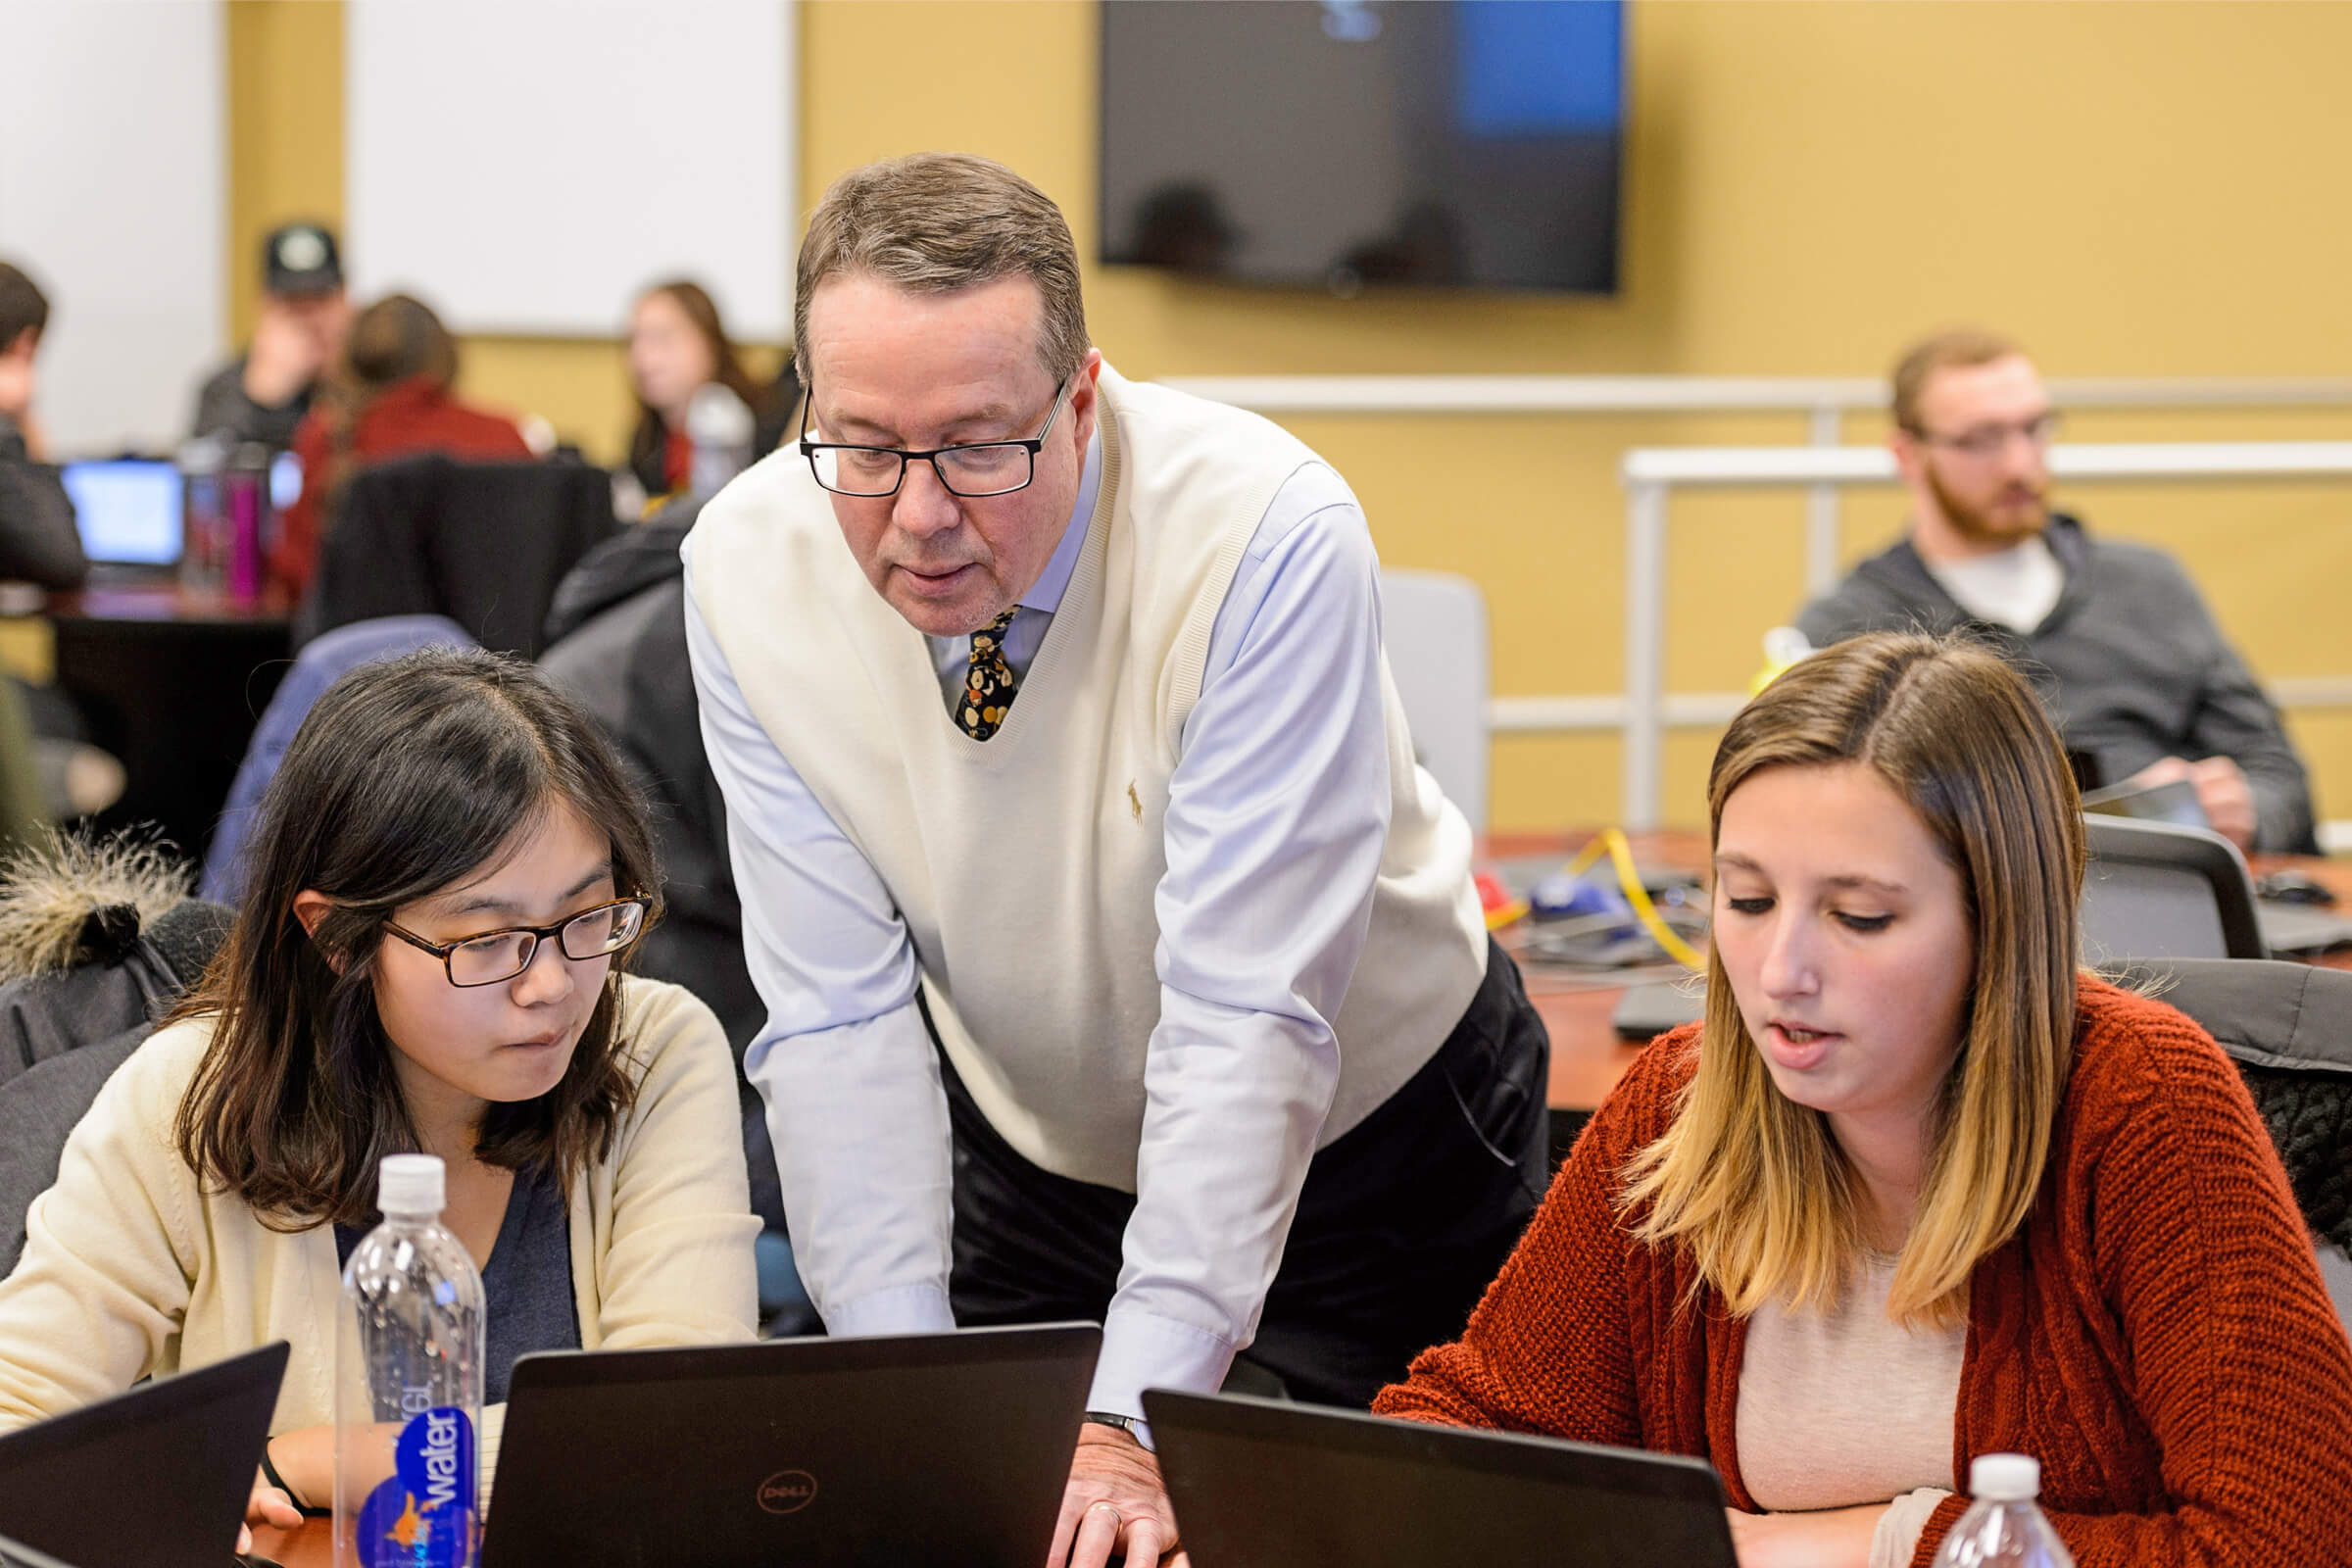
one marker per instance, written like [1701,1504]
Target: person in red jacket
[387,396]
[1916,1189]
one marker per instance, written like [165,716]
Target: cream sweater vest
[1024,866]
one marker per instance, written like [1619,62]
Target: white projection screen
[112,197]
[527,167]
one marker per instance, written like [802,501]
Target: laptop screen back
[130,510]
[1261,1484]
[921,1448]
[156,1478]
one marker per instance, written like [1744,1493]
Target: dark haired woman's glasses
[495,956]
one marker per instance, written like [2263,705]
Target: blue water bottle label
[423,1515]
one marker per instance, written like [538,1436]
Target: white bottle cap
[717,417]
[2004,1477]
[409,1184]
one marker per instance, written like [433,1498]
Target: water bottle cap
[409,1184]
[717,417]
[2004,1477]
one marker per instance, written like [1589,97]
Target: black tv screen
[1344,143]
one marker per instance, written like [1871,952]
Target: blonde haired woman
[1917,1190]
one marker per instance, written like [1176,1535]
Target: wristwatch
[1133,1425]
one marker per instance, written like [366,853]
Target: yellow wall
[2132,189]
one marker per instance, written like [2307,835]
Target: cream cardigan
[131,1269]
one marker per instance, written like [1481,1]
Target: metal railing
[1824,402]
[1652,473]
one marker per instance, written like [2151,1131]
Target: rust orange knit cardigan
[2156,1333]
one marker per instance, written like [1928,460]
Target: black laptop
[823,1453]
[156,1478]
[1259,1483]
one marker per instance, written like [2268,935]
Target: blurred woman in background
[677,346]
[387,396]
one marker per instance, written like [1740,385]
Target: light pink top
[1846,1406]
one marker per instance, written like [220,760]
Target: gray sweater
[2129,660]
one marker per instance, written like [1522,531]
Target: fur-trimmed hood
[67,899]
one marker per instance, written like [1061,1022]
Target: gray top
[2130,662]
[527,1286]
[225,408]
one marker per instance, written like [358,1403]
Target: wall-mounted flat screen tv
[1345,143]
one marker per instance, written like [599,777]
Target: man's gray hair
[936,222]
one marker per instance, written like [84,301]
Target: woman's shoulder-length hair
[1755,1184]
[407,777]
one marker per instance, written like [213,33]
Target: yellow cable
[1621,854]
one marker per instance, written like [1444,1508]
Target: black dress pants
[1402,1223]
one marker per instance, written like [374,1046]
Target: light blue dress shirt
[1277,817]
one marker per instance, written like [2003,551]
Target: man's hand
[286,356]
[1114,1505]
[1838,1537]
[2222,790]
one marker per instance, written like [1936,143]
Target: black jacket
[97,941]
[2129,660]
[40,541]
[616,642]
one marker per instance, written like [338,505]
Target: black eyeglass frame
[1032,445]
[446,950]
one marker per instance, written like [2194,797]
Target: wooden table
[1587,1057]
[311,1547]
[172,682]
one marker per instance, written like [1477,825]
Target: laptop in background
[823,1453]
[156,1478]
[1259,1484]
[130,512]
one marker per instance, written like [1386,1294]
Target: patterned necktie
[989,686]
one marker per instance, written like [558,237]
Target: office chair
[1433,625]
[482,543]
[2288,1028]
[2157,890]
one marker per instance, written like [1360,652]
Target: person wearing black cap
[264,393]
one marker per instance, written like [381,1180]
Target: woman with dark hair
[677,346]
[449,871]
[387,395]
[1917,1189]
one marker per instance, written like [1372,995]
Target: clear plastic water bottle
[720,427]
[409,1384]
[2003,1526]
[203,555]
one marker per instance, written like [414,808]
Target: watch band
[1132,1425]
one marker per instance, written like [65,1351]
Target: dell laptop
[821,1453]
[156,1478]
[1259,1483]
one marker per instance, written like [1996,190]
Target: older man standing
[1119,960]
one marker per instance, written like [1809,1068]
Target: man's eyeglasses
[980,469]
[486,959]
[1987,440]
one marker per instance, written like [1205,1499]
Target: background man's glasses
[1986,440]
[494,955]
[980,469]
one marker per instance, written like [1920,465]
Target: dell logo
[788,1492]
